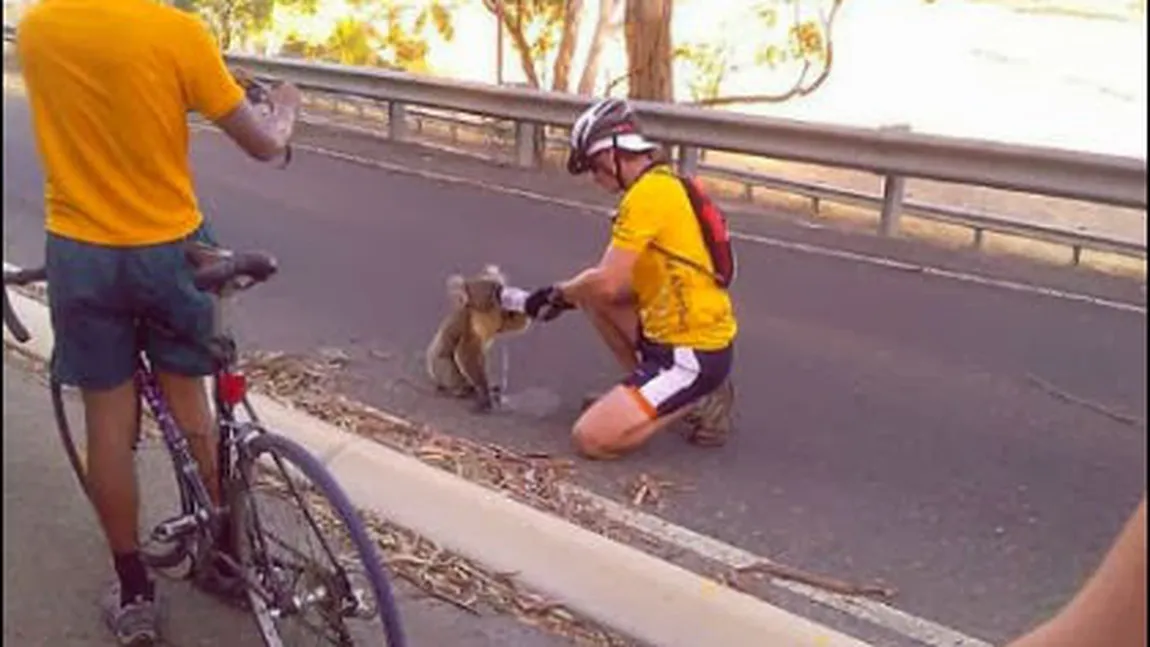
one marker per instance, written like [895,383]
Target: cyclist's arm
[212,91]
[636,226]
[1110,609]
[263,137]
[605,281]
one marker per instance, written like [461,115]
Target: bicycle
[189,539]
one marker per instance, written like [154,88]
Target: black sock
[134,580]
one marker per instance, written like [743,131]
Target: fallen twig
[781,571]
[1059,394]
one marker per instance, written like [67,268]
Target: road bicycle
[276,586]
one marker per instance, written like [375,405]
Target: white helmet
[608,123]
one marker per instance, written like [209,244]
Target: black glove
[546,304]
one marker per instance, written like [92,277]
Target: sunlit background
[1069,73]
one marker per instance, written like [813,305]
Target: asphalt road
[55,568]
[887,424]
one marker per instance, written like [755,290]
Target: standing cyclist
[657,297]
[109,84]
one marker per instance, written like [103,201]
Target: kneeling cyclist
[658,296]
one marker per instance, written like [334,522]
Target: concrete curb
[626,589]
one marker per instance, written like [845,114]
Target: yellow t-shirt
[110,83]
[678,303]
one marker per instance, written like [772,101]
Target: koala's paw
[484,404]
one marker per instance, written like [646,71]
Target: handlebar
[19,277]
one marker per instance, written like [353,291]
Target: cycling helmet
[608,123]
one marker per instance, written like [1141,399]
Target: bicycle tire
[78,463]
[302,460]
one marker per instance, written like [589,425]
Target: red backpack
[716,236]
[713,224]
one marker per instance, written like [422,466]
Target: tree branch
[797,90]
[515,30]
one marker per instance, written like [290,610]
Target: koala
[457,355]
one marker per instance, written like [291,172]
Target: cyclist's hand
[546,304]
[242,76]
[285,95]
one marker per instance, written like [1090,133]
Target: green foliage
[234,21]
[534,28]
[804,38]
[381,34]
[709,64]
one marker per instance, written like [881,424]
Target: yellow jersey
[678,304]
[110,83]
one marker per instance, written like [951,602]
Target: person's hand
[285,95]
[546,304]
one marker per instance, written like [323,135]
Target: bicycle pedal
[176,528]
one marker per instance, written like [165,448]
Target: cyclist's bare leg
[617,323]
[187,398]
[616,424]
[110,419]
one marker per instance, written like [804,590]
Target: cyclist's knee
[609,426]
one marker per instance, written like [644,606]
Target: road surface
[888,424]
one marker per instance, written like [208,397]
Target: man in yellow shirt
[658,296]
[110,84]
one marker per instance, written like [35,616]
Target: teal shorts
[100,298]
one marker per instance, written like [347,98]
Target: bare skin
[1110,608]
[110,417]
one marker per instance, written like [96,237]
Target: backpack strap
[717,243]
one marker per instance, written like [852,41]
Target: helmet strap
[618,166]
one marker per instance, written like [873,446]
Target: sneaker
[135,624]
[710,419]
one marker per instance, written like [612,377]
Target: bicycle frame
[229,390]
[196,531]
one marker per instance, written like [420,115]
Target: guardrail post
[397,121]
[893,189]
[688,159]
[526,144]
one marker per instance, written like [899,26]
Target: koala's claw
[484,405]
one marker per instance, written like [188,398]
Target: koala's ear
[493,272]
[457,290]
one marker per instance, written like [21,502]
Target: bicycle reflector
[232,388]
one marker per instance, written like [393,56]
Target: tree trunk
[572,18]
[604,27]
[648,34]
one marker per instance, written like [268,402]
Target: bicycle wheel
[169,558]
[347,593]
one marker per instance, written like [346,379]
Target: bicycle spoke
[314,588]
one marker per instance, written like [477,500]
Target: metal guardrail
[892,154]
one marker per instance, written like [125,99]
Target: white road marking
[882,615]
[818,250]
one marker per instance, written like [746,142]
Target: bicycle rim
[299,485]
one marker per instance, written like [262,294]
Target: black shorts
[669,378]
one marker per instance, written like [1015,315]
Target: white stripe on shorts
[682,374]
